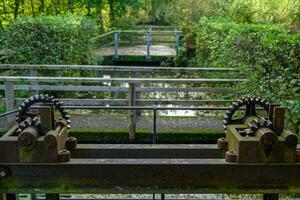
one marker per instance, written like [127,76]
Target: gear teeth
[25,106]
[228,112]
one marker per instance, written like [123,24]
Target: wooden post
[9,95]
[33,73]
[52,196]
[132,113]
[177,37]
[116,94]
[138,94]
[148,56]
[116,42]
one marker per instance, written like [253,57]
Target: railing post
[148,56]
[33,73]
[177,39]
[116,42]
[52,196]
[138,93]
[154,126]
[132,113]
[9,95]
[10,99]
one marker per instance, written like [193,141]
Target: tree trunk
[32,8]
[16,9]
[42,7]
[111,10]
[71,6]
[99,9]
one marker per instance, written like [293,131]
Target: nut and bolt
[231,156]
[64,156]
[71,143]
[50,141]
[25,141]
[222,143]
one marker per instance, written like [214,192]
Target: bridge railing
[133,87]
[114,84]
[148,37]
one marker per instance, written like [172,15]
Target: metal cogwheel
[255,125]
[250,104]
[25,118]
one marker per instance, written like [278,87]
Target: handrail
[103,35]
[114,68]
[148,34]
[124,80]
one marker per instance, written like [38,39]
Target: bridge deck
[138,50]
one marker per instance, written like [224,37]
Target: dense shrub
[268,56]
[51,39]
[211,34]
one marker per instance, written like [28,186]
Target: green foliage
[51,40]
[211,34]
[242,11]
[268,56]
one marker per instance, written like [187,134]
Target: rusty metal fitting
[71,143]
[222,143]
[50,141]
[27,140]
[268,139]
[290,139]
[61,124]
[231,156]
[298,156]
[64,156]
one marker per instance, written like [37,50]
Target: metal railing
[114,38]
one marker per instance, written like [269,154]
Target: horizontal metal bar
[116,89]
[115,68]
[142,108]
[145,151]
[71,101]
[152,32]
[8,113]
[151,176]
[103,35]
[123,80]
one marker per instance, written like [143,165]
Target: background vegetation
[261,37]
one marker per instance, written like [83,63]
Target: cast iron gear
[255,125]
[250,103]
[26,118]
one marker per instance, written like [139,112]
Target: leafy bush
[211,33]
[268,56]
[51,40]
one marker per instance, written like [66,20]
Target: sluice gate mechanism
[257,156]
